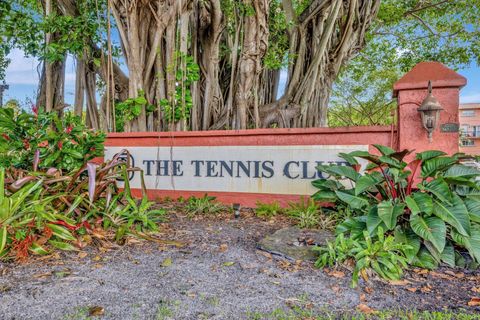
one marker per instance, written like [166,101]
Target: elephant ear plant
[429,207]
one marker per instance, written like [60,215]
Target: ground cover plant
[70,204]
[421,213]
[206,205]
[268,210]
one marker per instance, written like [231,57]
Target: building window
[468,113]
[476,131]
[468,143]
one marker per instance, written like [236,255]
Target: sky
[22,77]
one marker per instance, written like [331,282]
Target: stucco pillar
[411,90]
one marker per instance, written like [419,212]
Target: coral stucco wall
[385,135]
[410,91]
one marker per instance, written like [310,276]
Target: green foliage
[382,255]
[203,206]
[363,98]
[62,143]
[268,210]
[277,52]
[403,34]
[179,103]
[51,197]
[44,210]
[130,109]
[306,213]
[434,220]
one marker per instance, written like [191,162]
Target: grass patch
[301,313]
[203,206]
[268,210]
[166,310]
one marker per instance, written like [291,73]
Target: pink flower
[60,145]
[68,129]
[43,144]
[35,110]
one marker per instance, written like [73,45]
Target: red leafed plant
[47,209]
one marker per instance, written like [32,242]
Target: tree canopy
[216,64]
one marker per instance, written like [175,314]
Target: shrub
[63,143]
[52,198]
[434,216]
[40,210]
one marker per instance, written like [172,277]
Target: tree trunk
[255,43]
[56,83]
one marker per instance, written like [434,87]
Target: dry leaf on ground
[337,274]
[399,282]
[474,302]
[96,311]
[363,308]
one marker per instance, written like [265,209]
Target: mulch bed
[210,267]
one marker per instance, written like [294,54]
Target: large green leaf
[425,260]
[471,243]
[355,226]
[324,196]
[348,157]
[432,229]
[432,166]
[419,202]
[460,170]
[455,214]
[384,150]
[389,212]
[408,237]
[439,188]
[473,206]
[353,201]
[374,221]
[364,183]
[462,181]
[437,255]
[448,255]
[429,154]
[392,162]
[327,184]
[340,171]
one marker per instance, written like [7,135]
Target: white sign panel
[254,169]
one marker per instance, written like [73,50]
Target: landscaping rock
[294,243]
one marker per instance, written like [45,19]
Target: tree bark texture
[235,89]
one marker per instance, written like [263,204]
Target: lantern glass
[430,112]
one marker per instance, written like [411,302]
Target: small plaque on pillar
[450,127]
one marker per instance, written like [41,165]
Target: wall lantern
[430,112]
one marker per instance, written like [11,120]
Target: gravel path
[219,274]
